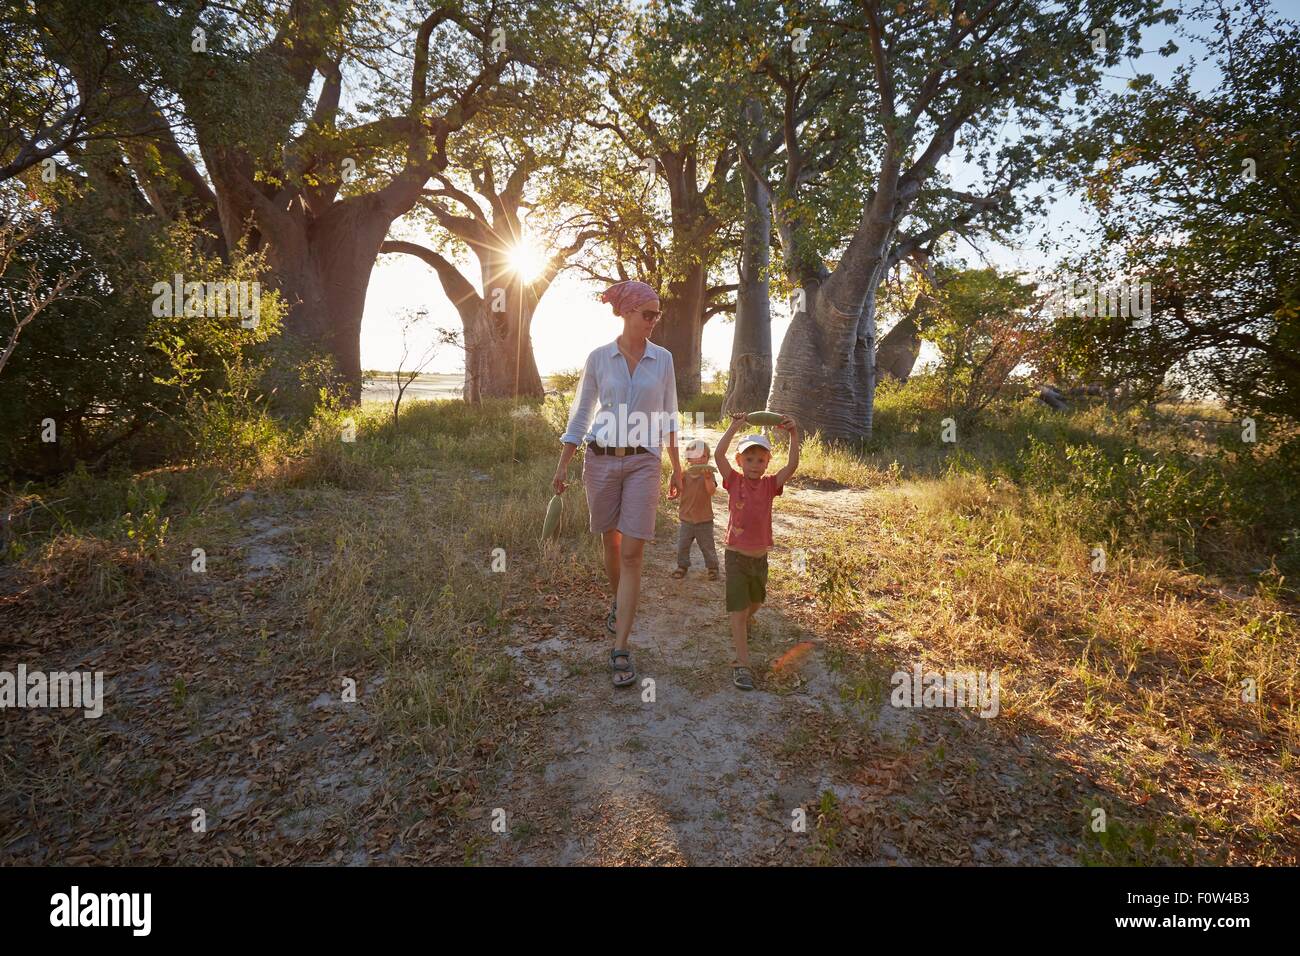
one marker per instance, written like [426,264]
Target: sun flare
[526,260]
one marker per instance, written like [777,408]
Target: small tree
[986,326]
[1197,192]
[403,377]
[26,288]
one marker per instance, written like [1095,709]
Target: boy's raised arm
[720,455]
[784,474]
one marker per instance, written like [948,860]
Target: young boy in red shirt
[749,530]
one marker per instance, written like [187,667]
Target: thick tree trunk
[824,378]
[345,248]
[751,347]
[864,367]
[825,374]
[322,272]
[681,330]
[499,361]
[898,350]
[320,264]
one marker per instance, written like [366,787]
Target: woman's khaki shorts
[622,493]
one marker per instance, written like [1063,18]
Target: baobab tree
[291,168]
[501,198]
[939,70]
[499,360]
[794,129]
[667,131]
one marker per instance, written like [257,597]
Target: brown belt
[616,452]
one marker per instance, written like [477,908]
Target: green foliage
[985,325]
[1141,476]
[144,523]
[1203,508]
[710,403]
[1135,493]
[110,364]
[836,571]
[1166,842]
[1196,193]
[566,380]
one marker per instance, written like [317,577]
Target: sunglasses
[651,314]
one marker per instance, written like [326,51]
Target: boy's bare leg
[740,637]
[753,609]
[629,588]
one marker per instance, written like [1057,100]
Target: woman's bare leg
[629,588]
[612,541]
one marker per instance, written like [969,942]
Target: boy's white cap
[749,440]
[697,446]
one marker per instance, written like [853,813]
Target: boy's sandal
[621,663]
[742,678]
[611,619]
[678,573]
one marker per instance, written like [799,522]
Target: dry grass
[1136,673]
[965,557]
[383,573]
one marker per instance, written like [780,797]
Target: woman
[632,381]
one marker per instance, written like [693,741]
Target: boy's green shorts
[746,580]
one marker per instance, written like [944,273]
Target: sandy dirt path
[687,769]
[690,770]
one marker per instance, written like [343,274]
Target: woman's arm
[670,406]
[561,479]
[584,403]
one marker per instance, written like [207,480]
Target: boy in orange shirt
[696,511]
[749,530]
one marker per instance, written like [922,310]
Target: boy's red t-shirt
[749,522]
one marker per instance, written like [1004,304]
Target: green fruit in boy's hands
[764,418]
[698,469]
[554,511]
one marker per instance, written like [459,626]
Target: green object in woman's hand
[554,511]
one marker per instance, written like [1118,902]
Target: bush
[709,403]
[565,382]
[1202,508]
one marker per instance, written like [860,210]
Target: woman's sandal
[678,573]
[611,619]
[742,678]
[621,668]
[713,574]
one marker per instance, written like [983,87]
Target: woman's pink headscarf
[629,294]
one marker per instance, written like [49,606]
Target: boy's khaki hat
[749,440]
